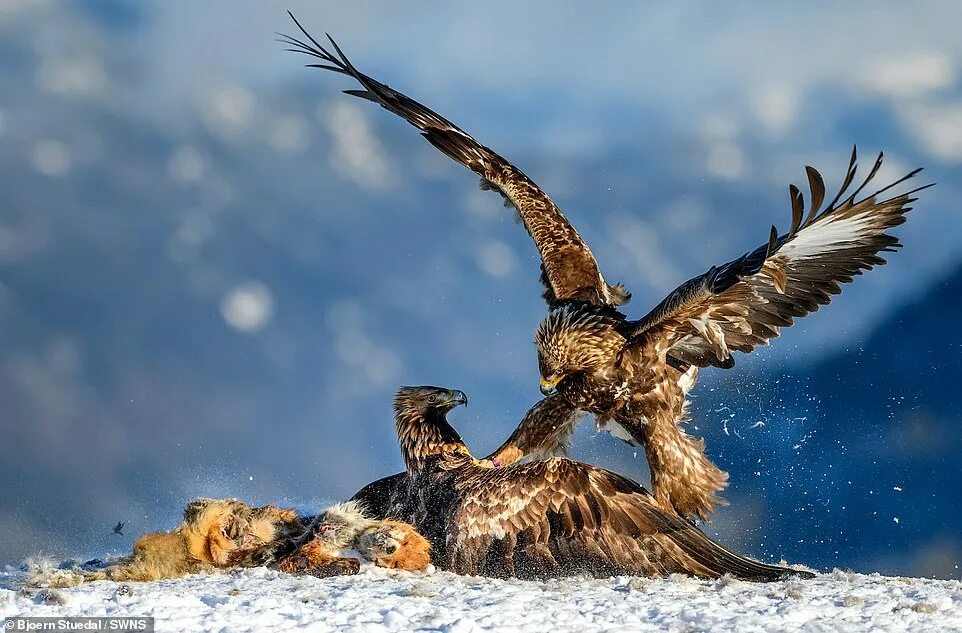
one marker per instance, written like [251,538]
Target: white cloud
[383,366]
[684,214]
[343,315]
[20,238]
[195,229]
[288,134]
[10,10]
[186,165]
[718,126]
[357,153]
[641,244]
[63,356]
[776,107]
[248,307]
[938,128]
[356,349]
[228,110]
[496,258]
[909,75]
[72,75]
[51,158]
[725,160]
[483,204]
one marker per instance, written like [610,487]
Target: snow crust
[380,600]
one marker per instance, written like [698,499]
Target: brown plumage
[535,519]
[633,375]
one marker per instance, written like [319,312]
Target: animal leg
[316,559]
[337,567]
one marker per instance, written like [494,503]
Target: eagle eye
[433,398]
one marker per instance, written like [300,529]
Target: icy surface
[383,600]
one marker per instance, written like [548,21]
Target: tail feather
[722,561]
[683,479]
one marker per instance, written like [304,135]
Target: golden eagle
[633,375]
[538,518]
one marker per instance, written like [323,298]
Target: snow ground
[380,600]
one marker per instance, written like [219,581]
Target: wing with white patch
[744,303]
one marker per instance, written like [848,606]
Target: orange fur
[219,533]
[389,544]
[213,534]
[414,554]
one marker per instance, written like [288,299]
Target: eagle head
[424,399]
[576,337]
[422,429]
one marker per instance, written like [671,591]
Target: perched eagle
[534,519]
[634,375]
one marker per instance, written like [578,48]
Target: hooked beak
[549,386]
[458,397]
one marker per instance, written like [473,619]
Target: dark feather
[571,269]
[776,284]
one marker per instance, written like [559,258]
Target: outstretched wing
[545,430]
[559,515]
[745,302]
[569,270]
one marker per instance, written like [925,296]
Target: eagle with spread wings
[535,519]
[634,374]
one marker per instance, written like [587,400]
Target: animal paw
[294,564]
[337,567]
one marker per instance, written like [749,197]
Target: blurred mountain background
[215,269]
